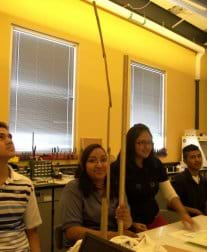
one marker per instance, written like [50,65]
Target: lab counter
[48,193]
[52,182]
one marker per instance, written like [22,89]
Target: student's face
[97,165]
[6,145]
[143,145]
[193,160]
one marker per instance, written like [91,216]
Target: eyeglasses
[143,142]
[96,161]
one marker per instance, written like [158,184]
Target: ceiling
[187,18]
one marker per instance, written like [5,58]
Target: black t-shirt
[191,194]
[142,184]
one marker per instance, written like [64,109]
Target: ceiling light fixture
[192,6]
[196,5]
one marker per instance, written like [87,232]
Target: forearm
[33,238]
[78,232]
[177,205]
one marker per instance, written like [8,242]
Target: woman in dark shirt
[145,175]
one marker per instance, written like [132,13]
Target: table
[163,235]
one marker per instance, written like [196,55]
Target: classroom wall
[77,23]
[203,95]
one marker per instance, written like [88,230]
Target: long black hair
[85,182]
[131,137]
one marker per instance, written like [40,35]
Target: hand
[139,227]
[123,214]
[188,222]
[195,211]
[111,234]
[130,233]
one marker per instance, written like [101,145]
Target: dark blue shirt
[142,185]
[191,194]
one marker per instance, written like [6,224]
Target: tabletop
[172,235]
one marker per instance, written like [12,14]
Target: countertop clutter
[47,172]
[53,181]
[55,154]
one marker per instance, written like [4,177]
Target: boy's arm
[33,238]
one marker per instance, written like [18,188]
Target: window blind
[42,91]
[147,100]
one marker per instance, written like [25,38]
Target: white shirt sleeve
[32,217]
[167,190]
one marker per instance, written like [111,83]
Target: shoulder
[180,177]
[155,163]
[114,169]
[115,164]
[203,179]
[22,178]
[73,186]
[71,193]
[19,178]
[158,162]
[157,169]
[184,174]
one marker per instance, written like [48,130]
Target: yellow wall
[74,21]
[203,95]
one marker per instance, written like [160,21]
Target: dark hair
[189,148]
[85,182]
[133,133]
[4,125]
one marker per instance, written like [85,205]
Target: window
[42,91]
[147,100]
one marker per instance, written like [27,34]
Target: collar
[189,175]
[12,176]
[196,179]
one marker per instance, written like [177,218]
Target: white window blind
[147,100]
[42,91]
